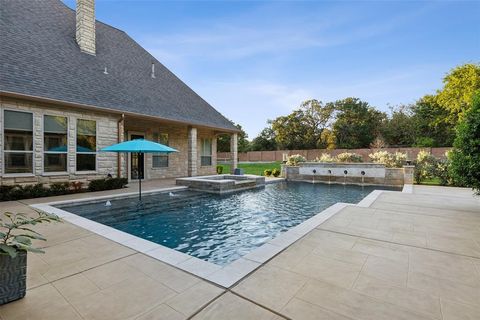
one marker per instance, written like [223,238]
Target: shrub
[9,193]
[295,159]
[349,157]
[425,167]
[219,169]
[465,156]
[390,160]
[442,171]
[276,172]
[326,157]
[107,184]
[267,172]
[60,188]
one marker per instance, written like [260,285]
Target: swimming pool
[219,228]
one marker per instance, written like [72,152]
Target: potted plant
[16,238]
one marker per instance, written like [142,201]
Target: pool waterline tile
[225,276]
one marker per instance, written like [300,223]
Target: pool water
[220,228]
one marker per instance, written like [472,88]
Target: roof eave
[18,95]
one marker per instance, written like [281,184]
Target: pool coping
[225,276]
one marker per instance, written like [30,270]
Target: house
[71,85]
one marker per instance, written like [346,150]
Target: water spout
[108,203]
[363,177]
[345,177]
[329,176]
[313,177]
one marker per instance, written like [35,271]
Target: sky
[257,60]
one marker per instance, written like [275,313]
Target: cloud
[252,103]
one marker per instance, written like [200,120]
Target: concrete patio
[405,256]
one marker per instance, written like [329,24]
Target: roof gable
[40,57]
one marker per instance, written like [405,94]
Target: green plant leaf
[36,250]
[11,251]
[31,236]
[23,240]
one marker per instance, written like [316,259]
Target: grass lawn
[431,182]
[254,168]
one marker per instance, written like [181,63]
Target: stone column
[192,151]
[408,174]
[234,151]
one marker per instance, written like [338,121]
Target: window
[86,145]
[55,144]
[160,160]
[206,155]
[18,142]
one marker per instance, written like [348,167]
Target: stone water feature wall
[349,173]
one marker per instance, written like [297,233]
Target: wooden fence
[271,156]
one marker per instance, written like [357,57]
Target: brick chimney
[85,34]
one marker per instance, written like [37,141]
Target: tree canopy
[353,123]
[356,124]
[302,128]
[465,157]
[223,141]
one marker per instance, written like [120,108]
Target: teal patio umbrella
[139,146]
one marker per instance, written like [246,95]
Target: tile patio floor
[407,256]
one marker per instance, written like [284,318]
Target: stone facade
[106,163]
[111,128]
[85,25]
[206,170]
[356,173]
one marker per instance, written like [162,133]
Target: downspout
[119,137]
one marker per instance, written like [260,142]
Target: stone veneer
[374,173]
[107,134]
[179,139]
[85,25]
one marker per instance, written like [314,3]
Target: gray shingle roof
[39,57]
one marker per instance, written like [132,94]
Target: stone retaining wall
[356,173]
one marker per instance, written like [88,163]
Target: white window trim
[2,126]
[54,173]
[211,153]
[96,147]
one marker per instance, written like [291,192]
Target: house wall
[178,139]
[106,135]
[206,170]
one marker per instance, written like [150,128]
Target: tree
[265,141]
[465,157]
[357,124]
[458,90]
[223,141]
[302,128]
[398,129]
[430,127]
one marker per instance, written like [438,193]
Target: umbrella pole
[139,181]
